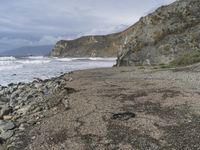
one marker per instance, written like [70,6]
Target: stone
[6,125]
[6,135]
[65,103]
[21,127]
[7,117]
[5,110]
[4,99]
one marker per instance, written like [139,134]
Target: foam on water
[7,58]
[25,69]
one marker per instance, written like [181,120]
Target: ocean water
[25,69]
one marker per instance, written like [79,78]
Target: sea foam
[25,69]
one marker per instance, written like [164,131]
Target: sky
[44,22]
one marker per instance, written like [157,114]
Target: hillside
[87,46]
[162,37]
[29,50]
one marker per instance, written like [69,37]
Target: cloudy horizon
[43,22]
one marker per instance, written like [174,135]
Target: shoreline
[25,70]
[103,108]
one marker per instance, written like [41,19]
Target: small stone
[21,127]
[17,107]
[6,135]
[7,117]
[41,116]
[34,137]
[65,103]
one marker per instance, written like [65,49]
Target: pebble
[21,127]
[34,137]
[65,103]
[7,117]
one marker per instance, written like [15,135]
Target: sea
[26,69]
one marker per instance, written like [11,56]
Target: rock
[7,117]
[65,103]
[33,137]
[4,99]
[6,125]
[21,127]
[5,110]
[123,116]
[23,110]
[6,135]
[15,94]
[71,79]
[11,84]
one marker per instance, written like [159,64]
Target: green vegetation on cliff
[187,59]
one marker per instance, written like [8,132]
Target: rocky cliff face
[163,36]
[88,46]
[159,38]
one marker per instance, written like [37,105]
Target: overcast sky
[43,22]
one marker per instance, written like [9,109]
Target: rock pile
[24,104]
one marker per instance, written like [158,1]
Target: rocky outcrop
[88,46]
[163,36]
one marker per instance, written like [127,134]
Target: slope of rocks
[24,105]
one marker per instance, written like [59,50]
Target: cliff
[162,37]
[88,46]
[165,36]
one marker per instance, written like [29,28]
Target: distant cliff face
[163,36]
[159,38]
[88,46]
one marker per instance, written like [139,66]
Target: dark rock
[70,90]
[123,116]
[11,84]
